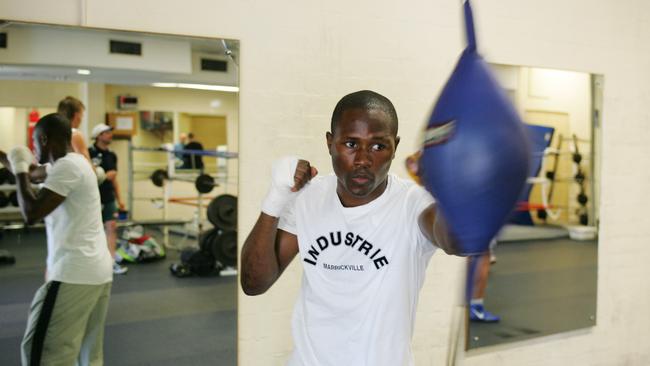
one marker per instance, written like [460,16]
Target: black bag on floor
[195,262]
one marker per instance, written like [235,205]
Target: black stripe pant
[66,325]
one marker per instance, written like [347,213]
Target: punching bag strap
[469,27]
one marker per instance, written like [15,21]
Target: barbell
[203,183]
[170,149]
[222,212]
[222,244]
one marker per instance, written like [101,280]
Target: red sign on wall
[33,118]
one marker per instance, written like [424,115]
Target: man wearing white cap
[109,189]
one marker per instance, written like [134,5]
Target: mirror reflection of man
[192,161]
[68,312]
[73,109]
[180,145]
[109,189]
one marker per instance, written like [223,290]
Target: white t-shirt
[76,243]
[363,270]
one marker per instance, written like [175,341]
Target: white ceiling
[204,46]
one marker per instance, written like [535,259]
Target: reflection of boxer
[477,312]
[364,238]
[66,320]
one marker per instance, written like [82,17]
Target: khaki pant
[66,325]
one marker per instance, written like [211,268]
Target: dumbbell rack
[549,179]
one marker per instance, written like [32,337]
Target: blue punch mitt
[475,154]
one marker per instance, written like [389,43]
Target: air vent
[214,65]
[3,40]
[126,48]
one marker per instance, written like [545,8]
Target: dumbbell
[550,175]
[222,212]
[577,158]
[222,244]
[582,198]
[203,183]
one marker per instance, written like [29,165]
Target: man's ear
[42,138]
[396,143]
[330,139]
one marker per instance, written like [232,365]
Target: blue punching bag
[475,154]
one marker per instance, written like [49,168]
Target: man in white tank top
[364,238]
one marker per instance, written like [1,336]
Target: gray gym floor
[539,287]
[153,318]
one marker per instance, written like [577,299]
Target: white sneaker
[117,269]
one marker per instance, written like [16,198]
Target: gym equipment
[476,154]
[577,157]
[196,262]
[215,153]
[540,138]
[582,198]
[222,244]
[222,212]
[551,174]
[158,177]
[13,198]
[224,248]
[203,183]
[4,200]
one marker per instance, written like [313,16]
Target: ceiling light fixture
[83,71]
[223,88]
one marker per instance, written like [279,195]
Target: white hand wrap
[282,180]
[20,158]
[101,174]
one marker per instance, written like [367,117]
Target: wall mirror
[151,88]
[541,277]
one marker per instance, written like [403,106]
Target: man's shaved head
[367,100]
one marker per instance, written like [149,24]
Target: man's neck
[101,145]
[349,200]
[58,154]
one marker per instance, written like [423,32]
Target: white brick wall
[298,58]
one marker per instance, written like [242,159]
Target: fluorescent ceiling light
[223,88]
[83,71]
[165,85]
